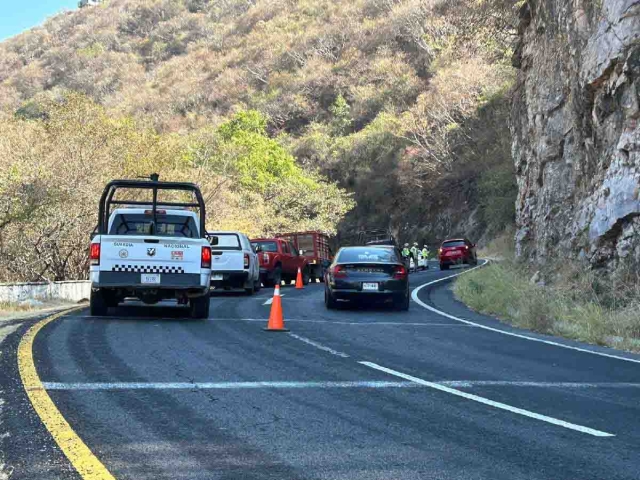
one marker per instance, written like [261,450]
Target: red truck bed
[315,246]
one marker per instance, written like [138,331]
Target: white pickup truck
[151,251]
[235,263]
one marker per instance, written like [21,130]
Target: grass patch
[574,302]
[9,307]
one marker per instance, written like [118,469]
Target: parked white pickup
[235,263]
[153,260]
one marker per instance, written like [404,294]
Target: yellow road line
[82,459]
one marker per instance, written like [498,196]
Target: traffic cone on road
[276,319]
[299,284]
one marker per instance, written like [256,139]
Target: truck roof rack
[155,185]
[377,236]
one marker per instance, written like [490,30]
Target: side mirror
[258,248]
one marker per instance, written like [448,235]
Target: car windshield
[454,243]
[226,241]
[266,246]
[166,225]
[365,254]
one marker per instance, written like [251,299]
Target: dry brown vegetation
[402,102]
[569,300]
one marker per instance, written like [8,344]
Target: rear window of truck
[266,246]
[142,224]
[455,243]
[226,241]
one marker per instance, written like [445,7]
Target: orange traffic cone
[276,320]
[299,284]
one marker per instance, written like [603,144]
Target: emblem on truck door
[151,252]
[123,253]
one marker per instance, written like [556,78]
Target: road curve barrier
[72,291]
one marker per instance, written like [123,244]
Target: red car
[456,251]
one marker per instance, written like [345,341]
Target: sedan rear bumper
[359,295]
[455,259]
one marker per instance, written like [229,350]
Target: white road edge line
[491,403]
[319,346]
[414,296]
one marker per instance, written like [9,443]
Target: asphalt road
[157,396]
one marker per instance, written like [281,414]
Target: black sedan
[370,273]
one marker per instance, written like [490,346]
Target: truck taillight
[246,260]
[206,257]
[265,258]
[94,254]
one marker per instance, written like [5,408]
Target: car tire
[329,301]
[444,267]
[199,307]
[403,304]
[97,303]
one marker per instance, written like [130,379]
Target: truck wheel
[98,304]
[199,307]
[277,276]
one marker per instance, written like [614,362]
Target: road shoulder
[440,297]
[27,450]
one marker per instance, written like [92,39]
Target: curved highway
[351,394]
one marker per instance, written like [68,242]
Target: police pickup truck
[150,250]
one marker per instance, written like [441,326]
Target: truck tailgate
[150,254]
[227,260]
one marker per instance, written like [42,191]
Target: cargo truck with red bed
[313,245]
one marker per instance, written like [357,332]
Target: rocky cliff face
[576,139]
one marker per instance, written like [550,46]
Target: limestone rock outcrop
[576,133]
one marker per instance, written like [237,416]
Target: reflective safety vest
[405,252]
[425,252]
[415,251]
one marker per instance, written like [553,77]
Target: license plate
[217,276]
[150,278]
[370,286]
[451,254]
